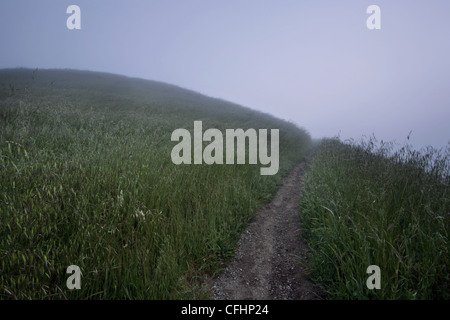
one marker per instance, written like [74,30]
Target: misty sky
[314,63]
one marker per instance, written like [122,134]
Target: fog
[314,63]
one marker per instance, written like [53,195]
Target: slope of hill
[367,204]
[87,180]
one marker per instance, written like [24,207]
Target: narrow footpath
[266,265]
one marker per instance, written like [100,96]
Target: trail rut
[266,265]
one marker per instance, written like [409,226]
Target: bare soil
[267,265]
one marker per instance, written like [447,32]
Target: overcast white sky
[312,62]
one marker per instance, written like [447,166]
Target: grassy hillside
[365,205]
[86,179]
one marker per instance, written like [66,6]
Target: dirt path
[266,265]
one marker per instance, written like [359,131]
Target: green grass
[367,204]
[86,179]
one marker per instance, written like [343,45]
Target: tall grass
[86,179]
[367,204]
